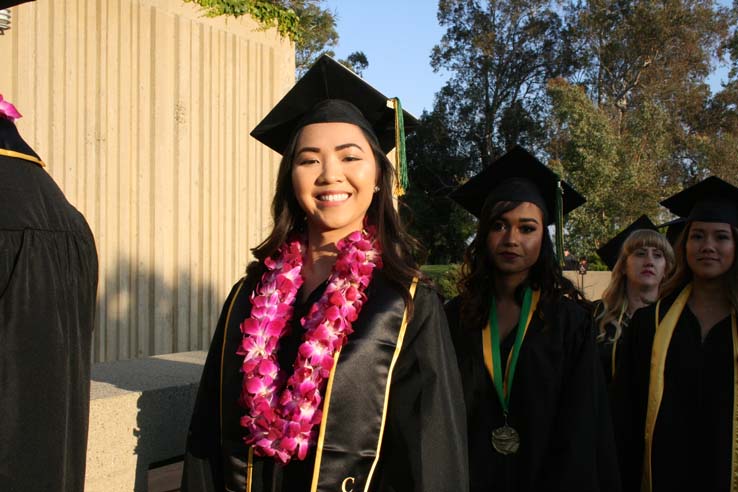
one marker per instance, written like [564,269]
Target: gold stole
[326,406]
[661,341]
[20,155]
[487,341]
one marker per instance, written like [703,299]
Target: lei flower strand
[7,110]
[283,426]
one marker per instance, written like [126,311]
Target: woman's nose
[331,171]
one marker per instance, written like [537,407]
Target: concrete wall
[139,414]
[593,284]
[142,109]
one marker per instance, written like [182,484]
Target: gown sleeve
[425,448]
[203,466]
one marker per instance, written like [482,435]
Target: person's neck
[320,256]
[640,296]
[506,285]
[709,293]
[709,302]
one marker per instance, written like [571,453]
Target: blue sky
[397,37]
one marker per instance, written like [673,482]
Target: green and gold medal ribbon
[491,346]
[661,341]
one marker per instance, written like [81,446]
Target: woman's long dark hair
[398,246]
[477,280]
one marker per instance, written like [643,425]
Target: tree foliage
[643,76]
[613,94]
[500,55]
[435,167]
[267,13]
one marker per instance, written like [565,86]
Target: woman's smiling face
[333,176]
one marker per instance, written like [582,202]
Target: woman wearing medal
[331,368]
[536,404]
[640,260]
[675,401]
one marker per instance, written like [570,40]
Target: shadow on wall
[162,393]
[142,312]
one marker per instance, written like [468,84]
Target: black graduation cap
[710,200]
[610,251]
[330,92]
[518,176]
[6,4]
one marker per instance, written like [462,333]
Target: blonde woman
[641,260]
[675,401]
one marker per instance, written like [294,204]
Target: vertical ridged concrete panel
[142,110]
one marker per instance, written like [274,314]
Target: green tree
[306,22]
[500,54]
[632,126]
[615,168]
[318,33]
[435,167]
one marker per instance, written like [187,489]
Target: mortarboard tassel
[560,223]
[401,179]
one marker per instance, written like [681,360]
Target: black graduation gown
[48,280]
[605,344]
[424,441]
[558,405]
[692,438]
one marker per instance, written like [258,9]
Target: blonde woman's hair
[683,275]
[615,298]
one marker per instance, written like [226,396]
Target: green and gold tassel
[560,222]
[401,179]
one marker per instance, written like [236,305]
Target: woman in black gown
[675,400]
[331,368]
[640,260]
[535,398]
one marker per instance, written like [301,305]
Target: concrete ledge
[592,285]
[139,414]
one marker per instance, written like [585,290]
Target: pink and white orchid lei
[283,425]
[8,111]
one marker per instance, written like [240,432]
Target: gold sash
[20,155]
[661,341]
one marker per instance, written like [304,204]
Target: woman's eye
[307,161]
[527,229]
[351,158]
[640,252]
[498,226]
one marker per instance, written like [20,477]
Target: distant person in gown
[640,260]
[535,396]
[675,398]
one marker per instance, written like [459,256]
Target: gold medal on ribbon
[505,440]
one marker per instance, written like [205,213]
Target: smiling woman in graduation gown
[48,280]
[391,412]
[675,401]
[545,424]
